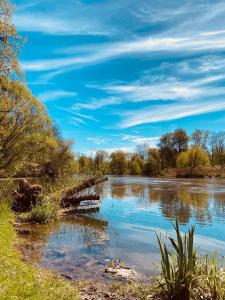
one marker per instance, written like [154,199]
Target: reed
[178,265]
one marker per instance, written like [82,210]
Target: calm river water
[132,211]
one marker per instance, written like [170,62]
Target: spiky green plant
[212,276]
[178,265]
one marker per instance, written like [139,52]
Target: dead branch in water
[84,185]
[75,200]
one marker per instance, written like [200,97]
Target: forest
[201,154]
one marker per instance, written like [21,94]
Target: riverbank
[95,236]
[21,280]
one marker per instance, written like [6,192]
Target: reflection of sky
[136,210]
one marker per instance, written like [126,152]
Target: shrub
[193,158]
[45,211]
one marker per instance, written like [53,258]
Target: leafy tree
[10,42]
[101,162]
[193,158]
[170,145]
[118,163]
[61,161]
[86,164]
[136,165]
[167,150]
[24,125]
[153,164]
[180,140]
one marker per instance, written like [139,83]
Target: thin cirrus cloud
[162,89]
[154,114]
[73,112]
[103,53]
[55,95]
[97,140]
[137,139]
[56,26]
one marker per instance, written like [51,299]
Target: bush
[192,159]
[45,211]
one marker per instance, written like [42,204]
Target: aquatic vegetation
[179,266]
[45,211]
[185,275]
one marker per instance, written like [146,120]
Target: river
[132,211]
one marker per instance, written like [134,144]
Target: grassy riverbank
[183,270]
[18,279]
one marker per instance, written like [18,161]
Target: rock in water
[120,271]
[25,196]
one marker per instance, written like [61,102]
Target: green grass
[45,211]
[20,280]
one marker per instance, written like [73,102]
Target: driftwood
[25,196]
[84,185]
[83,210]
[76,200]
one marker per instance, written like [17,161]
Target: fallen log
[80,210]
[76,200]
[84,185]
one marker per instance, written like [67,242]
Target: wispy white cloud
[155,89]
[97,140]
[137,139]
[55,95]
[78,120]
[153,114]
[55,25]
[73,112]
[149,45]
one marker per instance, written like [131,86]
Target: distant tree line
[175,150]
[29,141]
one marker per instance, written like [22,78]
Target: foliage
[86,165]
[211,277]
[61,160]
[193,158]
[101,162]
[153,164]
[185,275]
[119,163]
[179,266]
[136,165]
[10,42]
[171,145]
[24,125]
[29,143]
[45,211]
[20,280]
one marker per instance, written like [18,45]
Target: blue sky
[114,74]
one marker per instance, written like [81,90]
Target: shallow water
[132,211]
